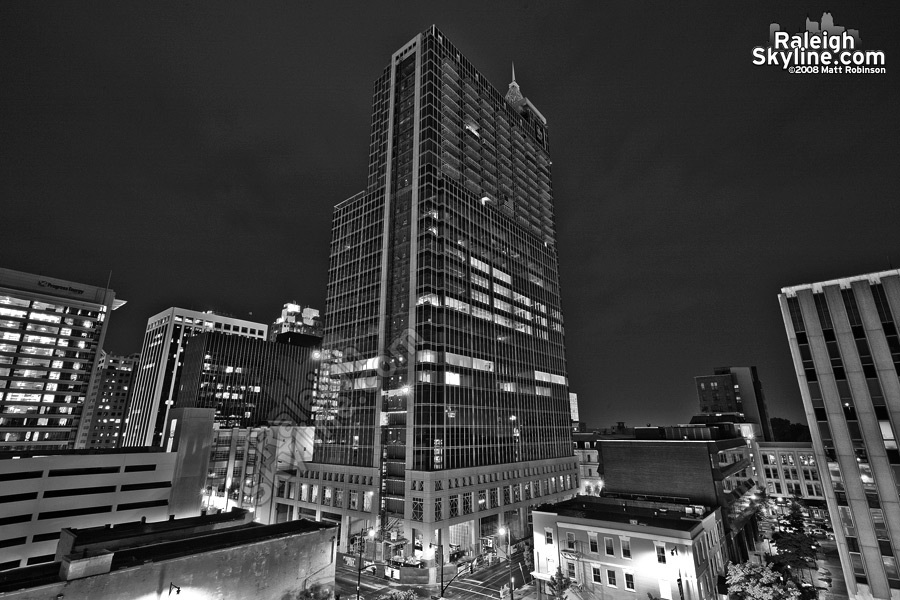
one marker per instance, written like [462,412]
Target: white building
[616,549]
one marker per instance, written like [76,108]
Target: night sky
[196,152]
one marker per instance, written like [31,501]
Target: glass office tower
[846,351]
[448,411]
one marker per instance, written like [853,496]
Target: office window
[548,536]
[570,569]
[570,540]
[594,542]
[629,581]
[661,555]
[626,547]
[610,550]
[598,578]
[610,578]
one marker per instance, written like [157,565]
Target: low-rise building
[614,548]
[199,557]
[43,492]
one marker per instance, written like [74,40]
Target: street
[485,583]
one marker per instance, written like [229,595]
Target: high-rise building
[844,342]
[296,319]
[51,332]
[159,371]
[103,419]
[249,382]
[734,390]
[449,412]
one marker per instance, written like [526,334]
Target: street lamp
[362,545]
[508,534]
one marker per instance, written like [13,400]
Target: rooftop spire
[514,95]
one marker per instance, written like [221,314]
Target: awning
[541,576]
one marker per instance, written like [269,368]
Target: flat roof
[623,512]
[844,282]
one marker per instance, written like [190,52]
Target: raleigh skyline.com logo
[821,48]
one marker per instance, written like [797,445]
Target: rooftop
[628,512]
[843,282]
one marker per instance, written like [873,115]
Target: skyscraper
[735,390]
[449,411]
[846,351]
[103,419]
[51,332]
[159,370]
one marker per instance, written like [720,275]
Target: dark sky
[196,151]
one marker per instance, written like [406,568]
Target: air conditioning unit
[394,535]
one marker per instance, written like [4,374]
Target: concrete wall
[277,569]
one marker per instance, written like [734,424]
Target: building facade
[687,464]
[46,491]
[51,333]
[242,467]
[247,381]
[790,469]
[104,412]
[448,408]
[734,390]
[846,351]
[620,550]
[159,372]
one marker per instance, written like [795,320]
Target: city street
[485,583]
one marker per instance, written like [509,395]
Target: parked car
[816,532]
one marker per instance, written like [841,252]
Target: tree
[558,584]
[753,581]
[785,431]
[795,546]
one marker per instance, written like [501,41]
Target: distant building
[195,557]
[587,452]
[790,470]
[620,549]
[249,382]
[843,336]
[42,492]
[735,389]
[159,370]
[51,333]
[573,408]
[104,412]
[243,464]
[298,319]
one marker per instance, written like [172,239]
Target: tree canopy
[754,581]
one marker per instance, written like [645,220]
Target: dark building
[735,390]
[248,381]
[449,405]
[686,464]
[846,350]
